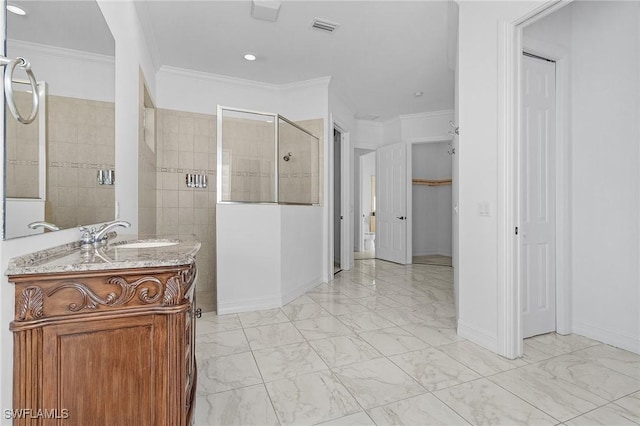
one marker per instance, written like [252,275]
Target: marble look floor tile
[550,394]
[377,382]
[479,359]
[378,302]
[302,300]
[631,404]
[212,323]
[402,315]
[482,402]
[410,300]
[365,321]
[342,306]
[222,343]
[435,294]
[266,317]
[358,419]
[344,350]
[433,369]
[419,410]
[322,328]
[556,344]
[532,355]
[304,311]
[359,291]
[241,407]
[595,378]
[393,341]
[288,361]
[434,336]
[268,336]
[310,399]
[616,359]
[609,415]
[329,297]
[227,372]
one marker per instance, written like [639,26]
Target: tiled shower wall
[186,143]
[22,152]
[80,141]
[147,165]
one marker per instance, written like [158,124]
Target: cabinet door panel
[97,380]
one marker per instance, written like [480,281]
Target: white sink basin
[146,244]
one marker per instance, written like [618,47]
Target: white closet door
[537,208]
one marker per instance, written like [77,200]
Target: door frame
[511,46]
[410,143]
[346,177]
[361,185]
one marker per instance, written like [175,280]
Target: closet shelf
[432,182]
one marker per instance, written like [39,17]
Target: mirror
[53,164]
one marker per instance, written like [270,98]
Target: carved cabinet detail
[113,347]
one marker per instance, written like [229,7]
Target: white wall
[605,286]
[431,205]
[301,248]
[248,239]
[477,152]
[602,115]
[420,125]
[605,179]
[368,134]
[69,73]
[132,56]
[267,255]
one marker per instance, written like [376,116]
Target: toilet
[369,238]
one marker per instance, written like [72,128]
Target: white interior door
[537,197]
[391,199]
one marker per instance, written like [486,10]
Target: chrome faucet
[91,236]
[45,225]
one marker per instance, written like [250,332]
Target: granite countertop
[72,257]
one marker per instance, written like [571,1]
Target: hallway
[377,345]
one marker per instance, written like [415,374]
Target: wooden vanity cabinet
[111,347]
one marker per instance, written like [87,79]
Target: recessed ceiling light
[16,9]
[418,94]
[250,56]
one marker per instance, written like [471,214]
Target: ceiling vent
[323,25]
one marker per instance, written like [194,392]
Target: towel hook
[10,65]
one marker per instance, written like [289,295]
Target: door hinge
[516,230]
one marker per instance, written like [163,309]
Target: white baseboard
[246,305]
[300,290]
[477,335]
[432,253]
[614,338]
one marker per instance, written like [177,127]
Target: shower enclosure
[269,218]
[266,158]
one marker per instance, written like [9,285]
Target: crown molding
[320,81]
[60,52]
[201,75]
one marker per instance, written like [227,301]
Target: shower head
[288,156]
